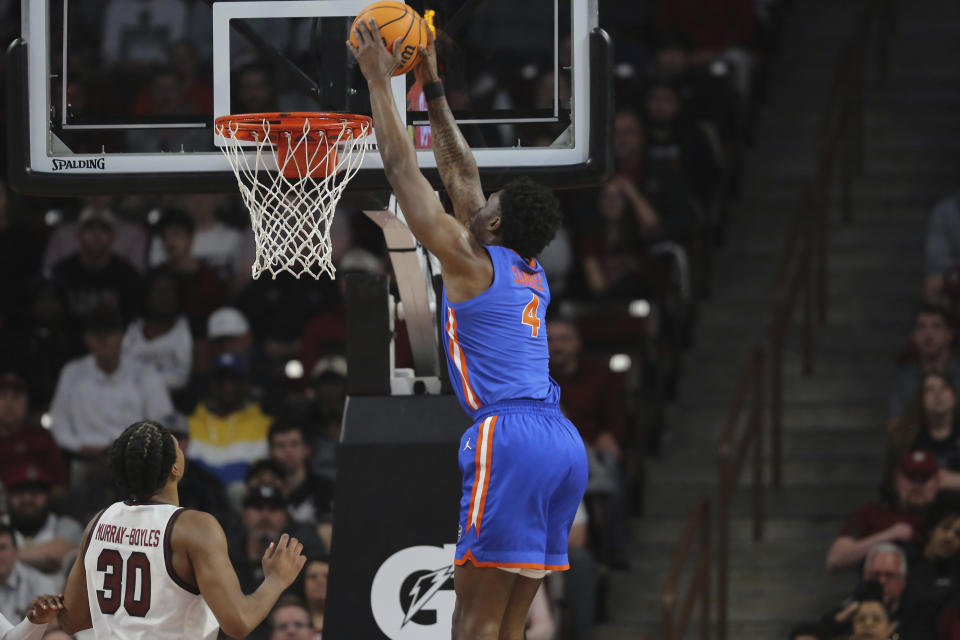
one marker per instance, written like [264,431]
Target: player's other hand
[283,560]
[45,608]
[426,70]
[375,61]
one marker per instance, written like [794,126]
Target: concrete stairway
[833,430]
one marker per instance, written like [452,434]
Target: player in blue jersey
[524,465]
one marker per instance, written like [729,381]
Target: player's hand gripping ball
[396,20]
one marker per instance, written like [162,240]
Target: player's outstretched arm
[455,161]
[441,234]
[202,537]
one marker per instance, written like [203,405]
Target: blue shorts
[524,472]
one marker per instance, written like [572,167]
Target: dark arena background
[754,293]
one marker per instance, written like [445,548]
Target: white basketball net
[292,216]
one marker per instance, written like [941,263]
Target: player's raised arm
[455,161]
[441,234]
[202,537]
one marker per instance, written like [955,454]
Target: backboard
[116,96]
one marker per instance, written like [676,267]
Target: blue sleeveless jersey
[496,343]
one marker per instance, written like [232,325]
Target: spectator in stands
[329,396]
[164,96]
[162,338]
[929,423]
[872,622]
[704,94]
[593,399]
[229,332]
[255,91]
[315,575]
[197,91]
[264,473]
[309,496]
[290,620]
[213,241]
[278,311]
[23,441]
[228,430]
[716,29]
[202,290]
[95,276]
[616,262]
[46,541]
[139,33]
[176,87]
[49,339]
[19,584]
[916,483]
[941,255]
[129,237]
[931,343]
[681,175]
[264,518]
[101,392]
[593,396]
[932,579]
[884,578]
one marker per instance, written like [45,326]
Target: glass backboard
[121,95]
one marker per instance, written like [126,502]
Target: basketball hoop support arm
[416,294]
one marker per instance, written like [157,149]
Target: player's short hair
[529,217]
[141,459]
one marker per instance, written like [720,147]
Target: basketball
[396,20]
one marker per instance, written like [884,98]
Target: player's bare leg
[483,595]
[515,618]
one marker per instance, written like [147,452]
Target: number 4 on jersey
[530,316]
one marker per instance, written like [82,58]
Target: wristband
[434,90]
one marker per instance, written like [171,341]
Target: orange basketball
[396,20]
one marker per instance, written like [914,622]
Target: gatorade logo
[412,596]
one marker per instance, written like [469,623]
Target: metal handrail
[698,522]
[730,461]
[803,271]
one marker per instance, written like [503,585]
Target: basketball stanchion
[292,169]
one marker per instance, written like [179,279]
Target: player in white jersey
[149,569]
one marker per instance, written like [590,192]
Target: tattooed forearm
[455,161]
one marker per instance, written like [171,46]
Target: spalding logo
[84,163]
[412,595]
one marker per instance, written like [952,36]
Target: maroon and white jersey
[132,587]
